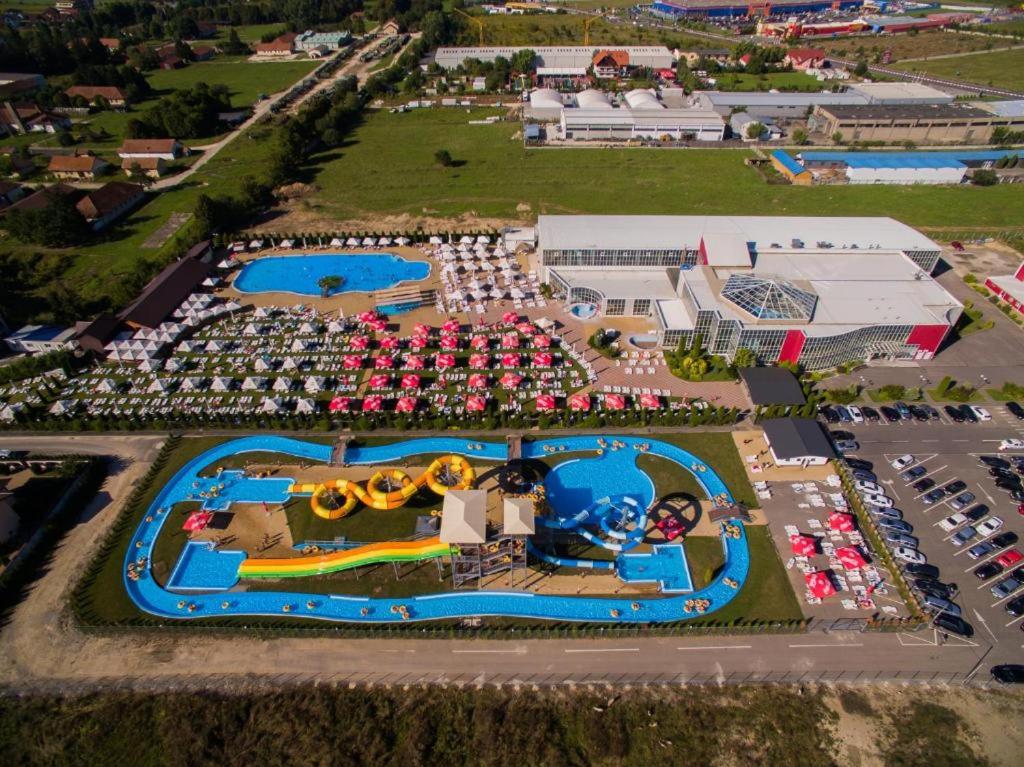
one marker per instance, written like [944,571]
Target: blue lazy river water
[360,272]
[207,578]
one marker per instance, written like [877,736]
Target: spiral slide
[378,496]
[370,554]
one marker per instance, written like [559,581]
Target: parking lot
[949,452]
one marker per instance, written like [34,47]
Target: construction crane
[474,20]
[586,28]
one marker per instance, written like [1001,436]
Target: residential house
[203,52]
[83,167]
[154,167]
[113,96]
[171,61]
[390,27]
[609,64]
[10,193]
[30,118]
[43,198]
[802,59]
[282,45]
[103,206]
[112,44]
[37,339]
[166,148]
[718,55]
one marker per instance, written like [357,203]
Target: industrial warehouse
[820,291]
[731,9]
[950,167]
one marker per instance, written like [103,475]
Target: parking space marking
[1011,595]
[972,543]
[1015,620]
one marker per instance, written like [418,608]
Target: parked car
[996,473]
[1008,485]
[1008,673]
[936,588]
[913,473]
[1012,444]
[1015,606]
[988,570]
[977,512]
[981,413]
[1003,540]
[932,413]
[937,604]
[863,486]
[953,624]
[890,414]
[884,512]
[922,571]
[1006,586]
[859,463]
[954,487]
[876,499]
[1017,495]
[969,415]
[933,497]
[980,550]
[994,461]
[909,556]
[954,414]
[898,525]
[904,410]
[918,413]
[865,476]
[855,414]
[952,522]
[847,446]
[870,414]
[963,535]
[901,539]
[989,526]
[903,462]
[844,414]
[1015,410]
[962,501]
[924,484]
[829,414]
[840,434]
[1010,558]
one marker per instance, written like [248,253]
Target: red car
[1020,509]
[1010,558]
[957,246]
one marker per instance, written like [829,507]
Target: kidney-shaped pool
[359,272]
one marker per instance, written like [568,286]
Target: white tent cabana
[305,406]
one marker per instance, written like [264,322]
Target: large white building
[818,290]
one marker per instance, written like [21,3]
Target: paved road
[43,648]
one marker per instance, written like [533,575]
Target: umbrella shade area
[380,381]
[510,318]
[451,326]
[480,343]
[542,360]
[340,405]
[803,545]
[414,362]
[420,329]
[450,343]
[614,402]
[385,362]
[511,380]
[579,402]
[444,361]
[197,520]
[650,401]
[841,522]
[372,403]
[389,342]
[405,405]
[360,343]
[510,360]
[479,361]
[477,381]
[352,362]
[545,402]
[851,558]
[410,381]
[542,342]
[820,584]
[475,403]
[417,342]
[510,341]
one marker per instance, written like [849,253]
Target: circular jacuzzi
[583,311]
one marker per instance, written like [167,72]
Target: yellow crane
[586,28]
[474,20]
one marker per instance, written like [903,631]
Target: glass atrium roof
[769,298]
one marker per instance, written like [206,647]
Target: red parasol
[480,343]
[526,328]
[510,341]
[443,361]
[419,329]
[197,520]
[650,401]
[410,381]
[479,361]
[614,402]
[389,343]
[510,318]
[352,362]
[414,362]
[476,403]
[451,326]
[545,402]
[361,343]
[417,342]
[851,558]
[449,343]
[542,341]
[339,404]
[840,521]
[405,405]
[579,402]
[366,316]
[803,545]
[477,381]
[543,360]
[820,584]
[377,326]
[384,362]
[380,381]
[511,380]
[510,360]
[372,403]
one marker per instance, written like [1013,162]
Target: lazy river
[196,570]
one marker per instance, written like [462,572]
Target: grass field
[787,81]
[1001,69]
[562,29]
[921,45]
[388,168]
[251,33]
[245,80]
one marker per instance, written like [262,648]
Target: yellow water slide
[388,488]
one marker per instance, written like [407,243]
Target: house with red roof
[802,59]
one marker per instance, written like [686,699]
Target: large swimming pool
[360,272]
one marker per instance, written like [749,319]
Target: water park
[573,528]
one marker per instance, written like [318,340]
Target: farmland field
[1001,69]
[567,29]
[908,46]
[245,80]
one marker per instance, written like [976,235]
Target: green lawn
[244,79]
[1001,69]
[251,33]
[565,29]
[785,81]
[716,449]
[388,168]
